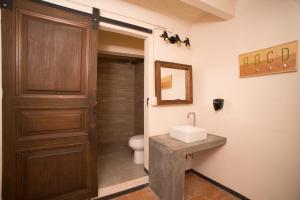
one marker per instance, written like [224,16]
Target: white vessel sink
[188,133]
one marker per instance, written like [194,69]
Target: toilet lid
[137,141]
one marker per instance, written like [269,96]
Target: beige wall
[118,44]
[261,115]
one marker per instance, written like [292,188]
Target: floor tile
[196,188]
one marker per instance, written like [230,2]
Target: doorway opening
[120,108]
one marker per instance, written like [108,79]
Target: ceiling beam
[224,9]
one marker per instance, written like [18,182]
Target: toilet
[137,144]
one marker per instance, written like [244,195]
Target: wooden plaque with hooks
[277,59]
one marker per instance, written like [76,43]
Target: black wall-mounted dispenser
[218,104]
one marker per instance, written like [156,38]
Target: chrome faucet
[194,117]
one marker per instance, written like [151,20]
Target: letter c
[269,60]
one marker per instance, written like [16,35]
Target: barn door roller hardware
[96,18]
[6,4]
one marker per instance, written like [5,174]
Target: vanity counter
[167,163]
[165,141]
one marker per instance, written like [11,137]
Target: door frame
[148,74]
[148,81]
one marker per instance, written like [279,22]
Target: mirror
[173,83]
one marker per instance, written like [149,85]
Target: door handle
[95,109]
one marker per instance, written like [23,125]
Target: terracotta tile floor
[196,188]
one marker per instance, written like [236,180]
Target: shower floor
[115,164]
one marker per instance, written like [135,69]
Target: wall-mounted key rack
[277,59]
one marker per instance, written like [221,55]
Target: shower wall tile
[120,91]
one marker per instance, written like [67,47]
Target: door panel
[46,122]
[62,69]
[49,90]
[68,166]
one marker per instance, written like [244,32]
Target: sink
[188,133]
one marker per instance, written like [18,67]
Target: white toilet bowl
[137,144]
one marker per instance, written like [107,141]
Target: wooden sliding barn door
[49,85]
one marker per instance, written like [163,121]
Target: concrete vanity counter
[167,163]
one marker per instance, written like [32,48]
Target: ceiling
[172,8]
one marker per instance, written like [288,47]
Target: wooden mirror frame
[188,82]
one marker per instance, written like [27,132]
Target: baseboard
[118,194]
[122,188]
[223,187]
[190,171]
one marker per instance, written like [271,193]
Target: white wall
[261,115]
